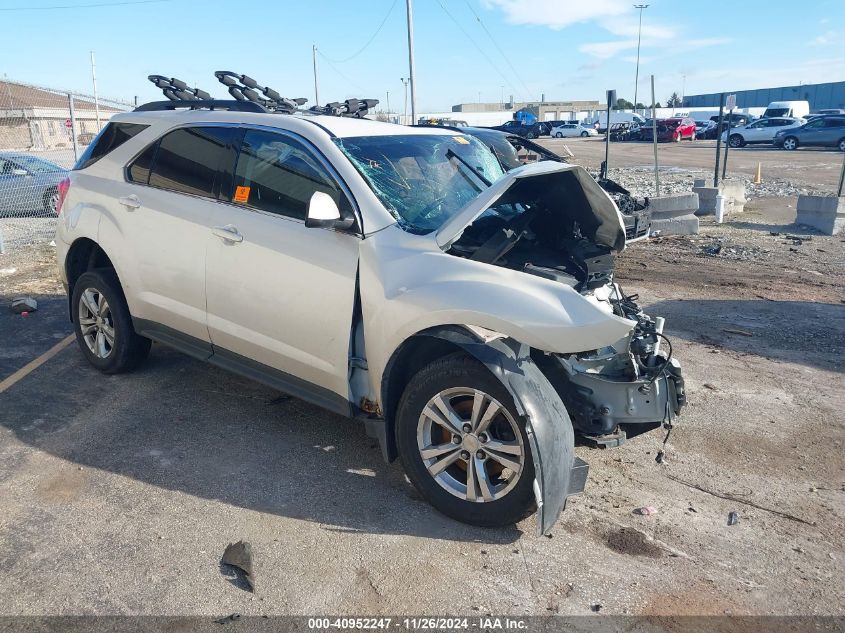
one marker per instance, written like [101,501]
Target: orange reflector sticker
[241,194]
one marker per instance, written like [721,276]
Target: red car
[675,129]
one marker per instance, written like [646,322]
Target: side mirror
[20,172]
[323,212]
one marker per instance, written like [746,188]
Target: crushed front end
[624,389]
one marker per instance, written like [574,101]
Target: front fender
[547,423]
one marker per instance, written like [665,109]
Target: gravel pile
[640,182]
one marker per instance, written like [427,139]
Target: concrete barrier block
[673,205]
[679,225]
[732,192]
[825,213]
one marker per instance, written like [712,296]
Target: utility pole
[405,81]
[654,139]
[639,38]
[388,105]
[683,89]
[411,69]
[96,99]
[314,59]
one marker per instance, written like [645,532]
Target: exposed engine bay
[548,229]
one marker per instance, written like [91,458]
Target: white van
[616,117]
[793,109]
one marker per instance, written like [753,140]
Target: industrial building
[543,110]
[820,96]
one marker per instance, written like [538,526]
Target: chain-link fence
[42,133]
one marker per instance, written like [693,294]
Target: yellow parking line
[32,365]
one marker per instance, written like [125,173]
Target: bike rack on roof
[248,96]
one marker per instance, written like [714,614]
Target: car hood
[611,230]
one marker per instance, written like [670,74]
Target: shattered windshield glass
[423,179]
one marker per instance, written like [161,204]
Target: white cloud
[828,37]
[557,15]
[606,50]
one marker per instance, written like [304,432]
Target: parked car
[514,151]
[600,122]
[572,129]
[737,119]
[673,129]
[761,131]
[823,131]
[516,127]
[705,129]
[623,131]
[467,316]
[29,185]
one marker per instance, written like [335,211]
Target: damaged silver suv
[394,275]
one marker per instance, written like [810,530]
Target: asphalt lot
[812,166]
[120,493]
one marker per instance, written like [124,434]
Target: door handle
[130,201]
[229,233]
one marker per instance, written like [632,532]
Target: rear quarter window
[110,138]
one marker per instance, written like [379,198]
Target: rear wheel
[736,140]
[585,133]
[103,324]
[51,200]
[692,136]
[463,444]
[790,143]
[842,145]
[677,138]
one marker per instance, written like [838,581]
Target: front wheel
[103,325]
[585,133]
[559,135]
[677,138]
[692,136]
[842,145]
[736,140]
[463,445]
[790,143]
[51,201]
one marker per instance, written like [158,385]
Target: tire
[677,138]
[559,135]
[51,200]
[585,134]
[503,496]
[103,325]
[841,145]
[790,143]
[736,140]
[692,136]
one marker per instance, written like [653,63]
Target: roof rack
[356,108]
[177,90]
[205,104]
[245,88]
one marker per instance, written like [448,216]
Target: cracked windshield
[423,179]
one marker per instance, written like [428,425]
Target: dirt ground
[119,493]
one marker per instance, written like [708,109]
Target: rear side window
[186,160]
[835,123]
[110,138]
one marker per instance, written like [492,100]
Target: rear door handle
[229,233]
[130,201]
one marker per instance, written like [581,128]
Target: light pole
[411,69]
[314,60]
[639,39]
[405,81]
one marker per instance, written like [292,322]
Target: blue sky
[563,48]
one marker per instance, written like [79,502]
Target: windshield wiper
[450,154]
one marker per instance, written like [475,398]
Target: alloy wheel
[95,323]
[470,444]
[790,143]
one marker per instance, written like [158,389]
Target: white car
[394,275]
[760,131]
[572,129]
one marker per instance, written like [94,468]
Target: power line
[352,83]
[477,47]
[369,41]
[498,48]
[84,6]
